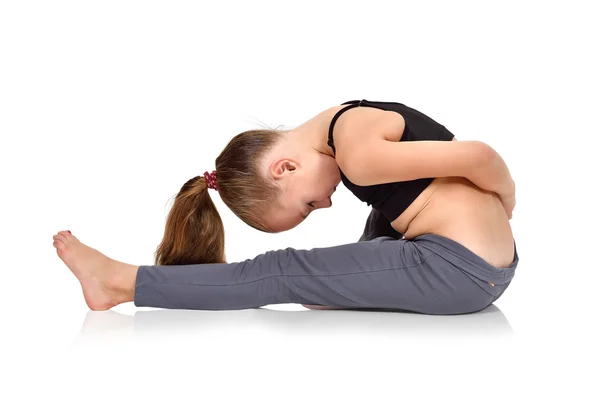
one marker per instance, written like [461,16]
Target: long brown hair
[194,232]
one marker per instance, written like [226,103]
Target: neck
[312,134]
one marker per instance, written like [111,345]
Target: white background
[108,107]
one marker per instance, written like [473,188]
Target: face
[307,185]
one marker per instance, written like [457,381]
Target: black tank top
[391,199]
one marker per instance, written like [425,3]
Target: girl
[438,240]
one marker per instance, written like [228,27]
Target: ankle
[121,281]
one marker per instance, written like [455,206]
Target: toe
[58,243]
[68,236]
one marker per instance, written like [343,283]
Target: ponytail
[194,232]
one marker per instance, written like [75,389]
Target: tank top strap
[359,102]
[351,104]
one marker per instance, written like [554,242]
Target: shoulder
[358,124]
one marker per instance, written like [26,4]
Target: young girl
[438,240]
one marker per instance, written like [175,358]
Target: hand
[509,202]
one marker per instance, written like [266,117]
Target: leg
[313,307]
[350,275]
[376,226]
[107,282]
[382,273]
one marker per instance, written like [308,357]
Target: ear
[282,167]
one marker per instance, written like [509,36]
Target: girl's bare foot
[105,282]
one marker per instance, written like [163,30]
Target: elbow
[486,154]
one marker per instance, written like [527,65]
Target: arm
[493,175]
[376,161]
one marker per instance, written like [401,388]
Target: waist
[455,208]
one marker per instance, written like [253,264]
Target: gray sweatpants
[428,274]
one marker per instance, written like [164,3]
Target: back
[391,199]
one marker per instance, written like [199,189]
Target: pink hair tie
[211,180]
